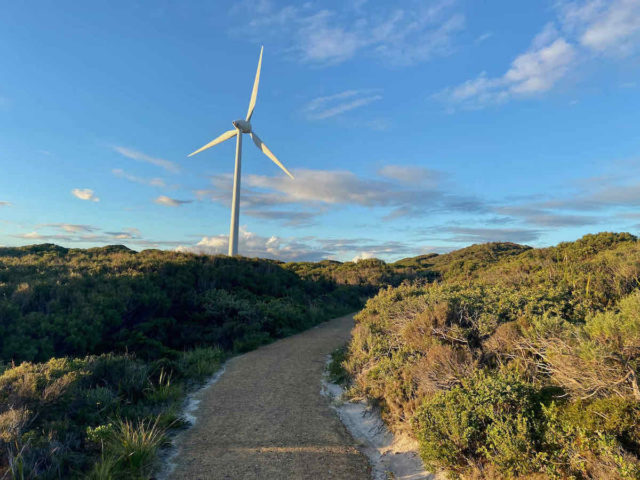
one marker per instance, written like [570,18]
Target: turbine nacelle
[243,125]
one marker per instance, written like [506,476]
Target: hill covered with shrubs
[99,346]
[514,362]
[500,359]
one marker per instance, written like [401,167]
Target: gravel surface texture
[266,419]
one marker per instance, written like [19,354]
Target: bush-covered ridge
[57,302]
[136,329]
[118,337]
[521,367]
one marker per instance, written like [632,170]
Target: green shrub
[199,363]
[491,418]
[336,369]
[579,445]
[509,366]
[128,448]
[164,390]
[135,446]
[107,468]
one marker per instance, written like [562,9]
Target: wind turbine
[240,127]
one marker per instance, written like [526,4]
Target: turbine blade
[268,153]
[254,92]
[225,136]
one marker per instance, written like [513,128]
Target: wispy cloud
[586,201]
[292,218]
[367,248]
[547,218]
[254,245]
[412,175]
[581,31]
[532,72]
[85,194]
[611,27]
[153,182]
[483,235]
[125,234]
[307,249]
[66,233]
[483,37]
[398,191]
[170,202]
[400,35]
[143,157]
[69,227]
[344,187]
[329,106]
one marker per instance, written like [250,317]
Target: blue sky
[411,126]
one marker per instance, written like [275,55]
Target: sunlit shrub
[488,419]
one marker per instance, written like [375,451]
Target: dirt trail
[266,419]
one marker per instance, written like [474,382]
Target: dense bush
[57,416]
[494,417]
[108,340]
[502,360]
[522,365]
[57,302]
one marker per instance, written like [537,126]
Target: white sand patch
[189,411]
[194,398]
[391,457]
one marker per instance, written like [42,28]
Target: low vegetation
[521,364]
[58,417]
[100,346]
[69,302]
[501,360]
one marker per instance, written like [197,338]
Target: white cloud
[153,182]
[581,30]
[537,70]
[483,37]
[363,256]
[344,187]
[611,26]
[126,234]
[85,194]
[143,157]
[323,41]
[253,245]
[308,249]
[69,227]
[34,235]
[401,35]
[5,204]
[314,192]
[329,106]
[170,202]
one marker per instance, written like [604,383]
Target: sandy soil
[391,456]
[266,419]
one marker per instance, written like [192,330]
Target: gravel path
[266,419]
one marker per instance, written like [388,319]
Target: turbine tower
[240,127]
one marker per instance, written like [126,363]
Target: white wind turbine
[242,126]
